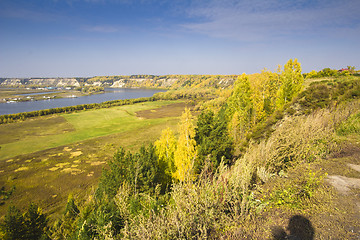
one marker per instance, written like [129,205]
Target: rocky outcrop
[167,82]
[118,84]
[12,82]
[46,82]
[57,82]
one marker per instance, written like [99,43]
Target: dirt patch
[354,166]
[171,110]
[343,184]
[333,210]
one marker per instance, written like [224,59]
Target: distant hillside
[46,82]
[134,81]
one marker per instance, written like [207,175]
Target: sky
[84,38]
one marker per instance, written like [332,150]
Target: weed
[296,193]
[350,126]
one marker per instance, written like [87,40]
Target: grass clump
[350,126]
[296,194]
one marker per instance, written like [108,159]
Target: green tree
[141,170]
[66,227]
[212,139]
[100,219]
[35,222]
[147,173]
[13,226]
[30,225]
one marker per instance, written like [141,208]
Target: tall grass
[218,203]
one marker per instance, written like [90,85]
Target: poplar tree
[291,82]
[241,101]
[165,150]
[185,152]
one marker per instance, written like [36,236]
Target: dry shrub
[296,139]
[198,211]
[216,204]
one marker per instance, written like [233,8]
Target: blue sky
[81,38]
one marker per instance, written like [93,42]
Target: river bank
[69,98]
[12,95]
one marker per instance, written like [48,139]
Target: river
[109,95]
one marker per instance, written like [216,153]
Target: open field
[47,158]
[57,130]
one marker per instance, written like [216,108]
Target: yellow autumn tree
[265,86]
[241,102]
[291,82]
[165,149]
[185,152]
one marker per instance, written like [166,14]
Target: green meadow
[47,158]
[57,130]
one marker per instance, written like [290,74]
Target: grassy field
[57,130]
[47,158]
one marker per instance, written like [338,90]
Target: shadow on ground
[299,228]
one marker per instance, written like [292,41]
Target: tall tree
[185,153]
[30,225]
[165,150]
[140,170]
[291,82]
[241,101]
[13,226]
[212,139]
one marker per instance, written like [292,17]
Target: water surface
[109,95]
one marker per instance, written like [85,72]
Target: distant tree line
[328,72]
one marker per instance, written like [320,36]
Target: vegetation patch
[44,177]
[171,110]
[34,128]
[350,126]
[72,170]
[249,164]
[97,163]
[86,125]
[66,149]
[21,169]
[76,154]
[54,169]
